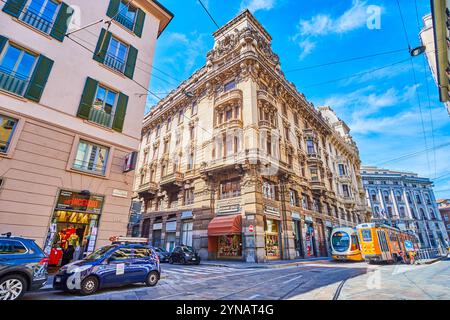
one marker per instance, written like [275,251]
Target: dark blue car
[110,266]
[23,267]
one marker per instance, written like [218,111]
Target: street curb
[434,260]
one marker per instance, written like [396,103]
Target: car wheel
[171,260]
[183,261]
[197,262]
[89,285]
[12,287]
[152,279]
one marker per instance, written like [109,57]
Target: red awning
[220,226]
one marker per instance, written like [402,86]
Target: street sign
[251,228]
[408,245]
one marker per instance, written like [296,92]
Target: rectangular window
[194,109]
[116,55]
[189,196]
[314,174]
[127,15]
[40,14]
[346,190]
[230,189]
[229,86]
[16,67]
[190,163]
[7,127]
[103,108]
[310,147]
[341,169]
[91,157]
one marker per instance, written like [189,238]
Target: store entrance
[310,240]
[272,239]
[73,230]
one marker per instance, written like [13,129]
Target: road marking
[292,279]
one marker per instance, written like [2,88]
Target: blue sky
[381,107]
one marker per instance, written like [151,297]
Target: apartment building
[70,118]
[405,200]
[444,210]
[237,163]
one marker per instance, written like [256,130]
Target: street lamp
[417,51]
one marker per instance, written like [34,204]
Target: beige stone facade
[67,124]
[237,148]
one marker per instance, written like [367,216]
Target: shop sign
[130,162]
[120,193]
[295,215]
[234,208]
[271,210]
[251,228]
[308,219]
[157,226]
[74,201]
[171,226]
[186,215]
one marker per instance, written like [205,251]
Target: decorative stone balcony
[235,94]
[317,185]
[147,188]
[175,178]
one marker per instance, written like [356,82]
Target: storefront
[297,230]
[322,241]
[329,230]
[170,235]
[225,237]
[73,229]
[310,245]
[272,239]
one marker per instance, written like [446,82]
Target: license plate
[57,279]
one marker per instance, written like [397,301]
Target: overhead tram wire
[415,82]
[209,14]
[412,154]
[427,91]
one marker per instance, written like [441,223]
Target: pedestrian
[411,256]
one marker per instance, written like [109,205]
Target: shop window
[91,157]
[229,246]
[230,189]
[7,127]
[186,233]
[272,239]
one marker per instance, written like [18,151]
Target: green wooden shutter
[3,41]
[39,78]
[14,7]
[87,98]
[121,110]
[62,22]
[131,62]
[139,25]
[102,46]
[113,8]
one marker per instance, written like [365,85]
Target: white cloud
[324,24]
[307,46]
[256,5]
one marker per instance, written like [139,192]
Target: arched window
[398,195]
[432,214]
[373,195]
[402,212]
[422,214]
[386,197]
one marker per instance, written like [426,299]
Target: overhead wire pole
[428,93]
[415,82]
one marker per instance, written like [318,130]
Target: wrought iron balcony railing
[13,82]
[37,21]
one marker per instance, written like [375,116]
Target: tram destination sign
[74,201]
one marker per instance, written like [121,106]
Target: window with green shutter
[103,105]
[127,15]
[22,72]
[102,45]
[62,22]
[14,7]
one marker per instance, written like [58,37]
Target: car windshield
[340,241]
[98,253]
[188,249]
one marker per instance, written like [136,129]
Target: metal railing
[125,21]
[114,63]
[430,254]
[37,21]
[13,82]
[100,116]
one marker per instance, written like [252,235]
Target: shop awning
[223,225]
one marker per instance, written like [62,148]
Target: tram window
[366,235]
[340,241]
[355,240]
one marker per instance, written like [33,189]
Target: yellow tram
[345,244]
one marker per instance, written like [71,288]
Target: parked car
[162,253]
[110,266]
[184,255]
[23,267]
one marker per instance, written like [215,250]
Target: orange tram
[382,243]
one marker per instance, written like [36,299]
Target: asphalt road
[226,283]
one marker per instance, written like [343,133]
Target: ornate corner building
[405,200]
[238,164]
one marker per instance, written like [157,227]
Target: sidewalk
[269,264]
